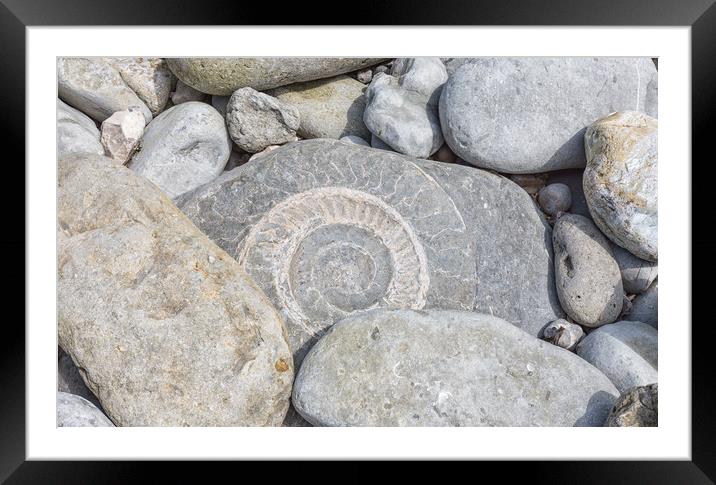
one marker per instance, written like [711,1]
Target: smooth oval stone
[224,75]
[621,180]
[94,87]
[73,411]
[589,284]
[76,132]
[528,114]
[563,334]
[329,108]
[645,307]
[627,353]
[149,77]
[637,274]
[555,198]
[349,228]
[445,368]
[638,406]
[168,329]
[184,147]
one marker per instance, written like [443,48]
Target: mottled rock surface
[627,353]
[638,406]
[589,284]
[445,368]
[329,108]
[94,87]
[168,329]
[149,77]
[350,228]
[183,148]
[76,132]
[224,75]
[621,180]
[528,115]
[563,333]
[121,133]
[257,120]
[637,274]
[645,307]
[75,411]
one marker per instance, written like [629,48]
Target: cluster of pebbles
[357,242]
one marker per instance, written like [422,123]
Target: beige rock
[149,77]
[121,133]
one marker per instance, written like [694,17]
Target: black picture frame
[16,15]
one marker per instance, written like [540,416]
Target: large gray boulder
[327,228]
[184,147]
[96,88]
[445,368]
[168,329]
[621,180]
[149,77]
[528,114]
[76,411]
[329,108]
[589,284]
[627,353]
[224,75]
[76,132]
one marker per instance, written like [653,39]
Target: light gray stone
[184,93]
[76,132]
[75,411]
[95,88]
[149,77]
[528,114]
[589,283]
[572,178]
[637,274]
[422,75]
[621,180]
[168,329]
[224,75]
[355,140]
[555,198]
[121,133]
[184,147]
[403,119]
[257,120]
[627,353]
[445,368]
[638,406]
[69,378]
[329,108]
[645,307]
[376,142]
[563,333]
[349,228]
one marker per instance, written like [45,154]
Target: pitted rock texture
[528,115]
[167,327]
[76,411]
[224,75]
[350,228]
[76,132]
[638,406]
[445,368]
[149,77]
[621,180]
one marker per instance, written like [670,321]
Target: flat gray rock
[621,180]
[329,108]
[74,411]
[327,228]
[167,327]
[589,284]
[76,132]
[645,307]
[445,368]
[224,75]
[149,77]
[627,352]
[637,274]
[184,147]
[94,87]
[638,406]
[257,120]
[69,378]
[528,114]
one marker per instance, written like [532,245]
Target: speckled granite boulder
[445,368]
[528,115]
[621,180]
[224,75]
[327,228]
[76,411]
[638,406]
[168,329]
[76,132]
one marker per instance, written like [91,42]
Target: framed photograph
[433,238]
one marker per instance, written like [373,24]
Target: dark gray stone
[555,198]
[637,274]
[572,178]
[76,411]
[349,228]
[638,406]
[645,307]
[445,368]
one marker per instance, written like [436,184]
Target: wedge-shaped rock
[445,368]
[76,132]
[327,228]
[168,329]
[149,77]
[224,75]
